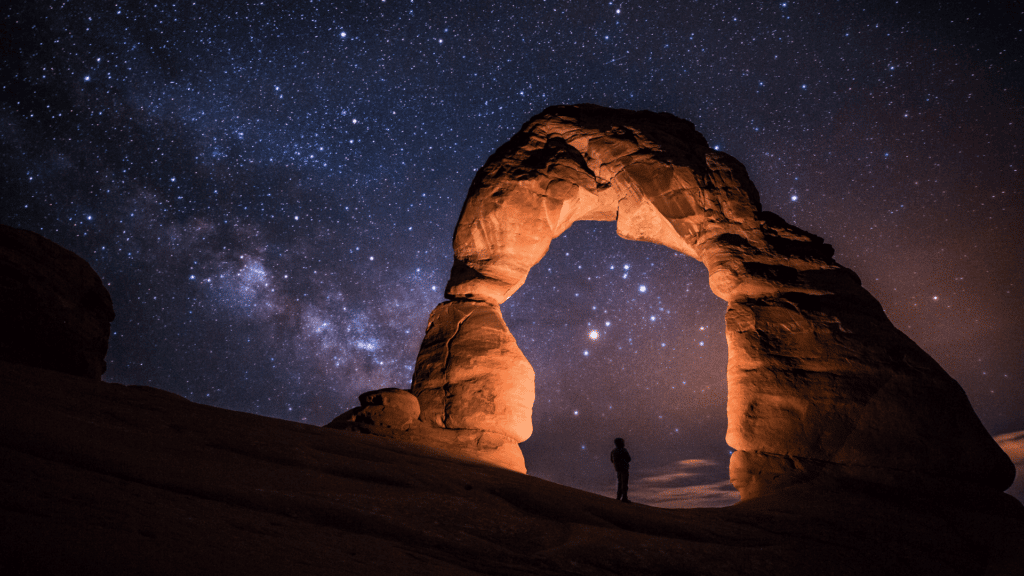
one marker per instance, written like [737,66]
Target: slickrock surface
[821,384]
[55,311]
[100,478]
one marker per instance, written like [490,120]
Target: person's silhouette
[620,459]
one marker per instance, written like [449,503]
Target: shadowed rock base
[394,413]
[472,391]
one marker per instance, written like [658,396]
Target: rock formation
[821,384]
[56,313]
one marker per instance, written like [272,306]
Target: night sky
[269,191]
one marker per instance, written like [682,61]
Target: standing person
[620,459]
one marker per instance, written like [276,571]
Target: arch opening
[820,383]
[651,374]
[654,372]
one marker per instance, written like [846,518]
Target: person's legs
[620,492]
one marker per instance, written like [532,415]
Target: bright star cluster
[269,190]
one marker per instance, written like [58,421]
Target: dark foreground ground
[100,478]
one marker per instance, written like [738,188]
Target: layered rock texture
[822,386]
[55,312]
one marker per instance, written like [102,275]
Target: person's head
[620,443]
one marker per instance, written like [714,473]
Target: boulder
[391,413]
[55,312]
[390,408]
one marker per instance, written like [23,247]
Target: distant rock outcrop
[55,311]
[821,384]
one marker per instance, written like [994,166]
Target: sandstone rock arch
[820,383]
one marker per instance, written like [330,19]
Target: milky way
[269,191]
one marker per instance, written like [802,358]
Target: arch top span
[653,174]
[820,382]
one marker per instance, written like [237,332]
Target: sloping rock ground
[105,478]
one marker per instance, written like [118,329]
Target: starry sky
[269,190]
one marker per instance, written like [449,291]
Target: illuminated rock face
[472,392]
[821,384]
[471,375]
